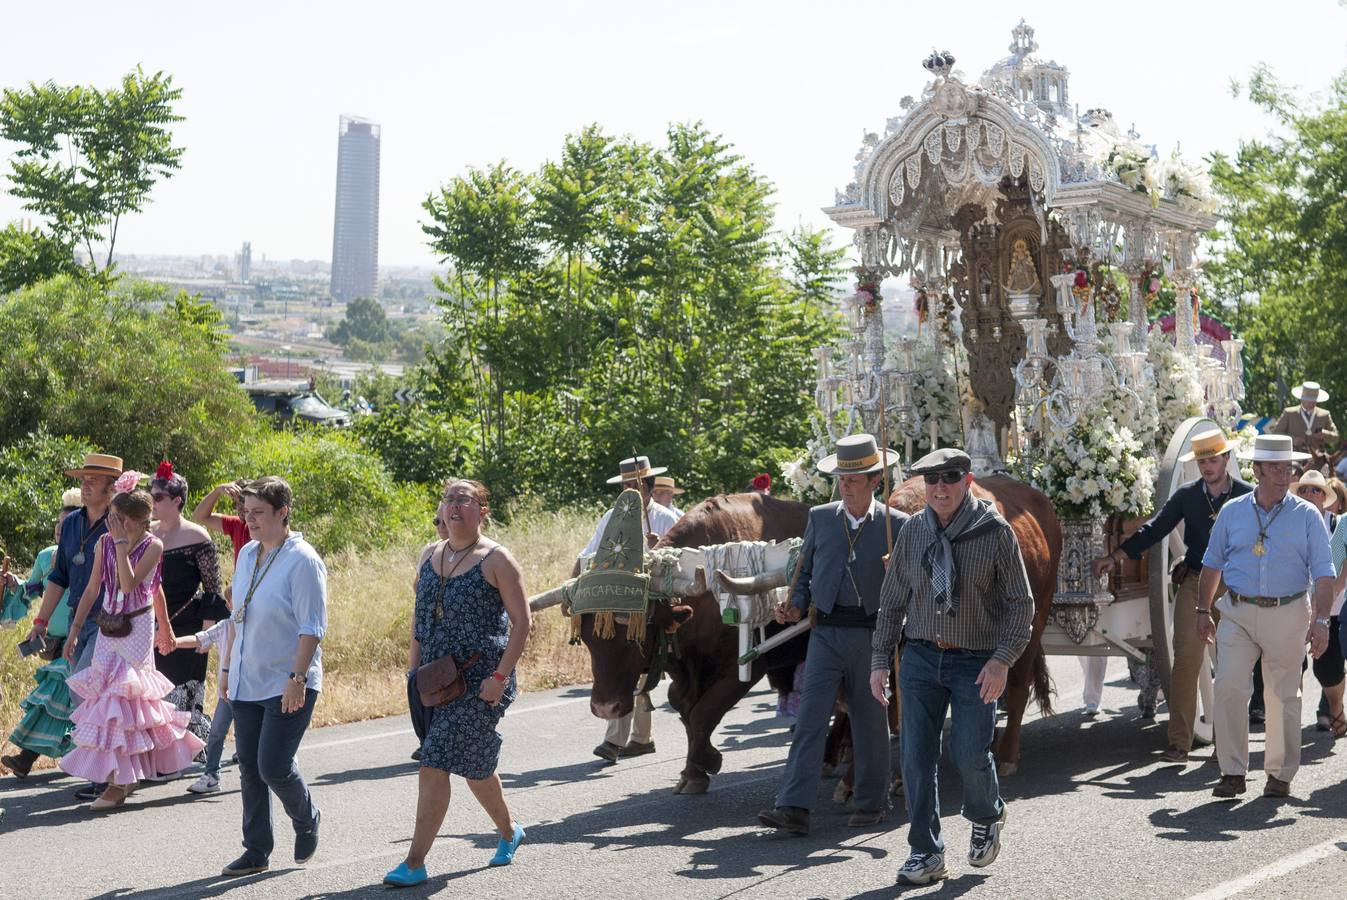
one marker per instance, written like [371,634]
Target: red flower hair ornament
[762,482]
[165,471]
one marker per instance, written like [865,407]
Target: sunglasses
[949,476]
[158,497]
[437,521]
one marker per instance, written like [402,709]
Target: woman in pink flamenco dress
[124,731]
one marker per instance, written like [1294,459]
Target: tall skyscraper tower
[246,262]
[355,230]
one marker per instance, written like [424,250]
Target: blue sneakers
[405,876]
[505,849]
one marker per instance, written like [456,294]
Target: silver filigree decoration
[1035,175]
[956,168]
[914,170]
[973,133]
[989,175]
[932,144]
[897,190]
[996,138]
[1016,160]
[1076,619]
[953,137]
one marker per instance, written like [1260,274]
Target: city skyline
[793,87]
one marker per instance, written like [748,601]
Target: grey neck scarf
[971,519]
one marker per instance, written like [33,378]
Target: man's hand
[229,489]
[1317,637]
[786,613]
[1102,565]
[1206,628]
[992,678]
[879,683]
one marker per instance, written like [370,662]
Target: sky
[793,85]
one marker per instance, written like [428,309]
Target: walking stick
[884,455]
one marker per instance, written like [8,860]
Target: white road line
[1275,870]
[399,732]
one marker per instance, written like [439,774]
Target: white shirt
[853,520]
[1308,416]
[290,600]
[658,520]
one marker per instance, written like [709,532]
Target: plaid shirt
[994,603]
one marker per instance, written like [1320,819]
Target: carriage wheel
[1174,474]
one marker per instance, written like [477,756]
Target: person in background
[469,600]
[44,729]
[664,492]
[232,527]
[221,636]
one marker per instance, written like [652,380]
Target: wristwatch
[302,679]
[1323,622]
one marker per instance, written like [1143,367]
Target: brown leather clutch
[442,681]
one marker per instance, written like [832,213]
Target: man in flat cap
[957,589]
[841,568]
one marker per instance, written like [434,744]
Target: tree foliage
[86,157]
[28,256]
[32,479]
[625,298]
[1282,242]
[133,371]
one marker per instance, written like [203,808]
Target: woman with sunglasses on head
[191,584]
[470,606]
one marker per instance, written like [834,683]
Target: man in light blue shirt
[1271,549]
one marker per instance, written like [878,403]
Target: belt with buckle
[1267,602]
[946,645]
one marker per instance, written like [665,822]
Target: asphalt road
[1093,813]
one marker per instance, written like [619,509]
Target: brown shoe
[608,750]
[21,763]
[790,819]
[864,819]
[1275,787]
[1174,754]
[1230,787]
[636,748]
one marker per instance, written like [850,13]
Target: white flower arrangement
[1189,185]
[1242,442]
[1178,392]
[935,397]
[1097,469]
[1134,166]
[805,481]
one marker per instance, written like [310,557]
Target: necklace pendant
[1213,516]
[1259,548]
[78,559]
[238,615]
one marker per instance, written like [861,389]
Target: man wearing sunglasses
[956,588]
[840,570]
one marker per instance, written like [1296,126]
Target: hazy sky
[793,85]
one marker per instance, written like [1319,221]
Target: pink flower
[127,481]
[1154,286]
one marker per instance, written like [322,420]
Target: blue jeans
[267,741]
[838,657]
[220,721]
[933,681]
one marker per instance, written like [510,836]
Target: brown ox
[1034,521]
[704,676]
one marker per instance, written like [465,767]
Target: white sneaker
[923,868]
[206,784]
[986,841]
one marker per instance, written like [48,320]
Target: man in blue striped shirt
[1270,547]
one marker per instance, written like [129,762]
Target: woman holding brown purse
[470,607]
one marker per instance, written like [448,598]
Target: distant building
[246,262]
[355,230]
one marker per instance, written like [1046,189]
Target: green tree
[365,320]
[1281,245]
[86,157]
[29,256]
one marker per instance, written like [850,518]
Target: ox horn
[751,584]
[547,598]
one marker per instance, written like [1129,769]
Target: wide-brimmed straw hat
[635,469]
[1274,448]
[857,454]
[1310,390]
[1315,478]
[1206,444]
[664,481]
[98,464]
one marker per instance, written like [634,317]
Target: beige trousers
[1278,633]
[1187,666]
[635,724]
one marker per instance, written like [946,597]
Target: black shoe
[416,754]
[306,842]
[791,819]
[248,864]
[636,748]
[21,763]
[608,750]
[1230,787]
[91,791]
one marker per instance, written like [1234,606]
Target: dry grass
[369,622]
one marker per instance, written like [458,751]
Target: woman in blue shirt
[275,670]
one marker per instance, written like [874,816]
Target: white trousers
[1094,669]
[1278,634]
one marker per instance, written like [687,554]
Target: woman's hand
[70,642]
[292,698]
[165,642]
[223,687]
[491,690]
[116,527]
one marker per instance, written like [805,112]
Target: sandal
[1338,726]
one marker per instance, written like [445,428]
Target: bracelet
[122,541]
[1202,611]
[224,671]
[37,622]
[499,677]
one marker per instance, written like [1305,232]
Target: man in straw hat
[75,561]
[1308,425]
[957,589]
[1269,546]
[840,571]
[1196,505]
[664,492]
[634,473]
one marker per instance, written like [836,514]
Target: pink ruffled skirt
[124,731]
